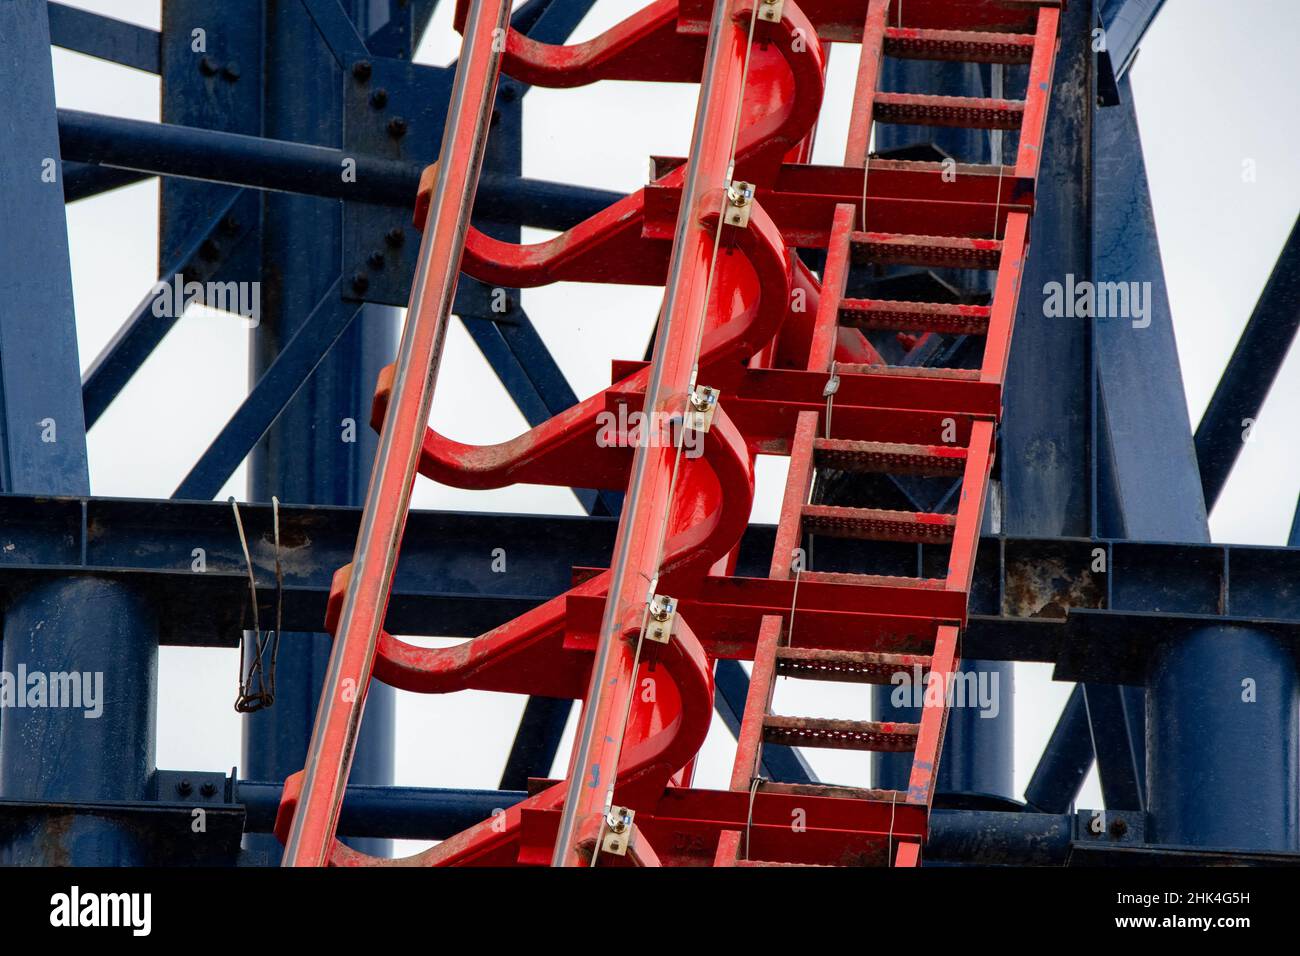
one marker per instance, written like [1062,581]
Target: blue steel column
[1223,705]
[304,457]
[82,626]
[1221,752]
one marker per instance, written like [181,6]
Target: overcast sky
[1215,85]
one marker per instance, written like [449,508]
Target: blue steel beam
[150,544]
[1146,481]
[208,155]
[293,364]
[306,455]
[541,728]
[1148,485]
[1116,717]
[105,38]
[97,630]
[201,257]
[1223,702]
[1263,347]
[82,181]
[528,371]
[1086,243]
[1125,23]
[406,19]
[1058,777]
[338,31]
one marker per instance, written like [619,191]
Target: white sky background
[1213,89]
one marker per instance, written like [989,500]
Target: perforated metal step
[875,524]
[827,734]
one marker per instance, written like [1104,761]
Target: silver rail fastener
[663,619]
[701,405]
[740,199]
[618,831]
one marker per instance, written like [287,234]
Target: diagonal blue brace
[1246,381]
[200,259]
[337,30]
[281,382]
[105,38]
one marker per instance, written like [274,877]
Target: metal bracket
[663,619]
[700,408]
[392,109]
[770,10]
[740,199]
[618,831]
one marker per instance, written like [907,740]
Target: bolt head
[231,71]
[397,127]
[184,788]
[208,66]
[360,282]
[395,236]
[361,70]
[376,259]
[379,98]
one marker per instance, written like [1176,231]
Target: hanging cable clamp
[700,408]
[618,830]
[832,386]
[740,199]
[663,619]
[770,10]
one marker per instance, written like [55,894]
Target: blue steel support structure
[99,631]
[1219,716]
[1096,442]
[312,453]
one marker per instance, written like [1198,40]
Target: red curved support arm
[645,769]
[785,95]
[645,46]
[781,110]
[544,454]
[526,655]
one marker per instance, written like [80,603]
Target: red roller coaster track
[754,354]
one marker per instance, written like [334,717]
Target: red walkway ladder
[928,642]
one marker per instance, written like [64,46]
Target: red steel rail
[638,547]
[367,586]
